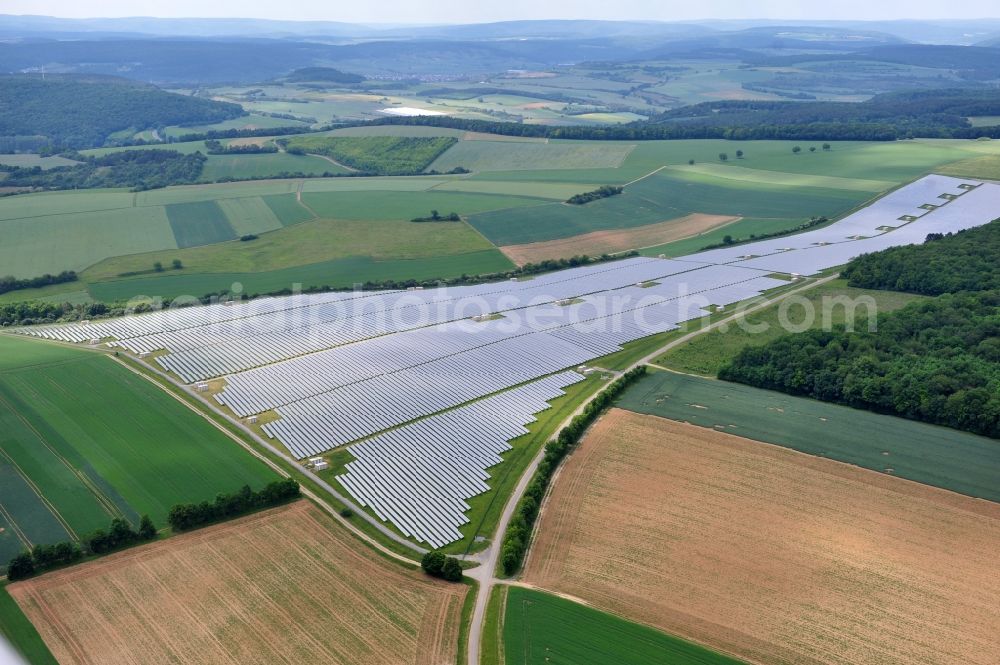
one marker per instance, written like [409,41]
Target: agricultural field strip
[895,219]
[420,476]
[279,384]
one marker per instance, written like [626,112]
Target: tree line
[11,283]
[215,147]
[518,535]
[602,192]
[41,558]
[964,261]
[136,169]
[937,361]
[187,516]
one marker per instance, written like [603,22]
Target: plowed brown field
[770,554]
[618,240]
[283,586]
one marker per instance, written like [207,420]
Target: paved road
[485,574]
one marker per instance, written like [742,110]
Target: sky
[477,11]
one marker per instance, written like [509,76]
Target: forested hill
[71,111]
[965,261]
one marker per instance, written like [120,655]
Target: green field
[383,155]
[31,161]
[661,197]
[336,273]
[287,209]
[514,197]
[516,156]
[406,205]
[927,454]
[198,223]
[19,632]
[264,165]
[252,121]
[707,353]
[85,439]
[543,629]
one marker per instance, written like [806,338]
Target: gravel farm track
[287,585]
[769,554]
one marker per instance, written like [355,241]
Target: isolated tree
[796,150]
[20,567]
[826,146]
[452,570]
[727,240]
[739,154]
[691,162]
[723,156]
[435,214]
[158,267]
[146,529]
[177,265]
[433,563]
[812,148]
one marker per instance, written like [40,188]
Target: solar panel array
[428,396]
[421,476]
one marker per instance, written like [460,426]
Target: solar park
[426,387]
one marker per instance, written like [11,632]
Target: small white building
[318,463]
[201,387]
[252,420]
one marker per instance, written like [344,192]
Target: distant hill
[83,111]
[324,74]
[971,62]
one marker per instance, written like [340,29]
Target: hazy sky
[474,11]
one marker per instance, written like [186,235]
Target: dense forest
[936,361]
[964,261]
[138,169]
[72,111]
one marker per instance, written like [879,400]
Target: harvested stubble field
[769,554]
[596,243]
[283,586]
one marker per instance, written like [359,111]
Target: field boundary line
[105,501]
[41,497]
[21,535]
[651,173]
